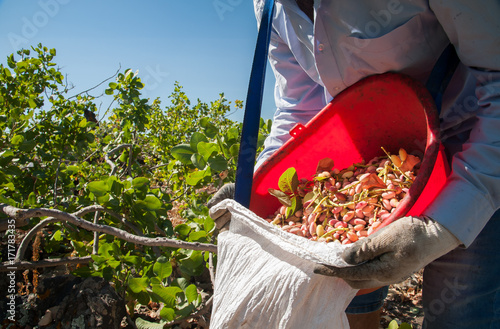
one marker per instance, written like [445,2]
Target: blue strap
[251,119]
[441,74]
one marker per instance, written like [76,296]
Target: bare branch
[27,265]
[59,215]
[95,247]
[211,268]
[158,166]
[108,154]
[100,83]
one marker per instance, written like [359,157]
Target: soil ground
[404,303]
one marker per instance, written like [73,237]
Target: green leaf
[140,182]
[17,139]
[113,263]
[27,145]
[209,224]
[296,204]
[57,236]
[218,163]
[393,325]
[115,186]
[182,152]
[124,156]
[198,161]
[145,324]
[98,188]
[143,297]
[210,129]
[288,181]
[207,149]
[134,260]
[162,267]
[166,295]
[198,236]
[71,169]
[197,176]
[234,150]
[182,229]
[138,284]
[107,273]
[405,325]
[83,123]
[150,202]
[103,198]
[32,103]
[196,138]
[232,134]
[191,293]
[32,201]
[167,313]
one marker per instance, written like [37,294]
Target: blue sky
[206,45]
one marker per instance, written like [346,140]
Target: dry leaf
[372,180]
[325,164]
[410,162]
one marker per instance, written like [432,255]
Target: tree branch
[108,154]
[27,265]
[59,215]
[100,83]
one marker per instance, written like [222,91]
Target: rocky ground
[404,303]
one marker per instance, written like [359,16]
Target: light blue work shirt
[349,40]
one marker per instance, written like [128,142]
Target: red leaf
[372,180]
[410,162]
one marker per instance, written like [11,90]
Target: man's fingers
[325,270]
[375,269]
[345,274]
[221,218]
[222,223]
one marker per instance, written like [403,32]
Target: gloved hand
[221,217]
[393,253]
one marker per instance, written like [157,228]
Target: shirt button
[321,47]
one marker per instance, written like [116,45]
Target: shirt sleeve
[297,96]
[472,192]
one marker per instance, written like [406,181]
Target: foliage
[395,325]
[138,160]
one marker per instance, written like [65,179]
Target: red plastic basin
[389,110]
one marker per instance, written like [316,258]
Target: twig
[100,83]
[108,154]
[56,179]
[211,268]
[26,265]
[95,247]
[158,166]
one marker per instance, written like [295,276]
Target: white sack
[265,278]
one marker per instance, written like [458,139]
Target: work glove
[393,253]
[221,217]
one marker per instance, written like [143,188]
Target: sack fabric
[265,278]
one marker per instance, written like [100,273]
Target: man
[317,49]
